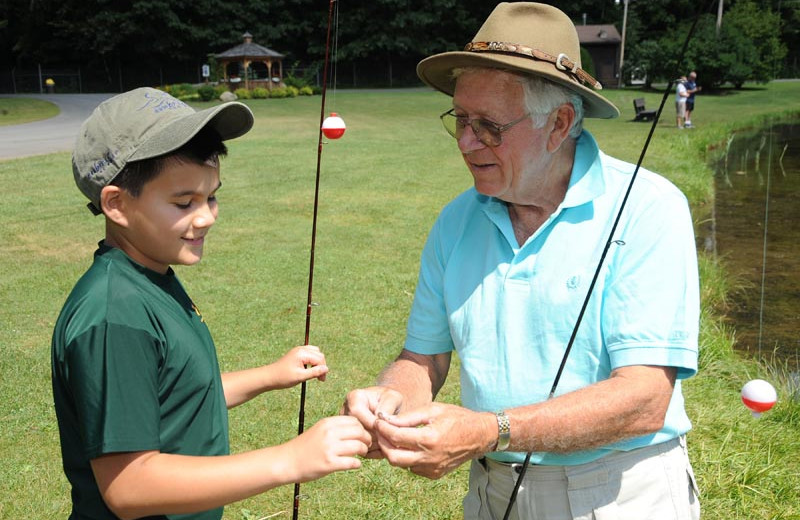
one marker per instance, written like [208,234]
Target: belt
[547,472]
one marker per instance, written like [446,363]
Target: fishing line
[764,244]
[334,60]
[771,138]
[667,92]
[310,302]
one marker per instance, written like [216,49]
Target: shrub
[306,91]
[284,92]
[206,92]
[219,89]
[184,91]
[242,93]
[294,81]
[278,93]
[260,93]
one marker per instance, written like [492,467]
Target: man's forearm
[418,377]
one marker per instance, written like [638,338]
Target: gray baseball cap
[142,124]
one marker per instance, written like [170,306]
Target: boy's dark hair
[205,145]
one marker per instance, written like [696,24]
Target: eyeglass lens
[486,132]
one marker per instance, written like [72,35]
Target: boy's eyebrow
[186,193]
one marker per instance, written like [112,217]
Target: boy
[140,401]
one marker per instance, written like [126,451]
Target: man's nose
[469,142]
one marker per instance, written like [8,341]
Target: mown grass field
[14,110]
[382,186]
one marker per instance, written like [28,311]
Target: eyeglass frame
[484,124]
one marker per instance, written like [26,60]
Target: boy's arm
[148,483]
[298,365]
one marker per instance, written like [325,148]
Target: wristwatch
[503,431]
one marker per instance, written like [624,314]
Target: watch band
[503,431]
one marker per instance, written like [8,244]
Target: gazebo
[251,64]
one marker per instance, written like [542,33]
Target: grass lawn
[382,186]
[16,110]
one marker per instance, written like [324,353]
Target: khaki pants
[651,483]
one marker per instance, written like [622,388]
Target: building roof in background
[594,34]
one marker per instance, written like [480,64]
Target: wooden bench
[642,114]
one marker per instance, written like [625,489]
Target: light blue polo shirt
[508,311]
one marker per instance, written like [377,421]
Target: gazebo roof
[248,49]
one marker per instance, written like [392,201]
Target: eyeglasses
[490,134]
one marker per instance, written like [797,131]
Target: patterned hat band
[561,62]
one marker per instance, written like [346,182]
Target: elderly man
[503,279]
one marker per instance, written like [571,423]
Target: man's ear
[112,202]
[564,117]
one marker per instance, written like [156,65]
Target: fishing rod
[310,302]
[609,242]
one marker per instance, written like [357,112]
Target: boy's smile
[168,222]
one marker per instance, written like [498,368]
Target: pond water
[756,233]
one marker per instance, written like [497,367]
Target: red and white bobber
[759,396]
[333,127]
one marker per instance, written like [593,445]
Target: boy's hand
[366,404]
[332,444]
[298,365]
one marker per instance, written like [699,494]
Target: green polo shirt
[134,368]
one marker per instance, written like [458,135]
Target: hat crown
[524,38]
[538,26]
[120,125]
[141,124]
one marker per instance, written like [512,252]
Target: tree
[789,13]
[747,47]
[719,58]
[762,28]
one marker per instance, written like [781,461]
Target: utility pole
[621,83]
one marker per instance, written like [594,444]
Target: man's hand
[434,440]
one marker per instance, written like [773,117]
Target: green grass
[382,186]
[14,111]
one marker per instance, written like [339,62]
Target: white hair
[541,98]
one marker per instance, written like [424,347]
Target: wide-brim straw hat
[527,38]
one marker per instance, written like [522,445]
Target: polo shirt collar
[586,181]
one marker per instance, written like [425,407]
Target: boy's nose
[205,216]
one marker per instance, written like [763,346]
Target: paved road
[56,134]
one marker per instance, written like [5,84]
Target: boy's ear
[112,202]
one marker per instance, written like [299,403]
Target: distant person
[140,400]
[680,101]
[503,277]
[691,89]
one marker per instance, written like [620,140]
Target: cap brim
[437,72]
[230,120]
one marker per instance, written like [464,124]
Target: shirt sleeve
[428,330]
[113,377]
[651,304]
